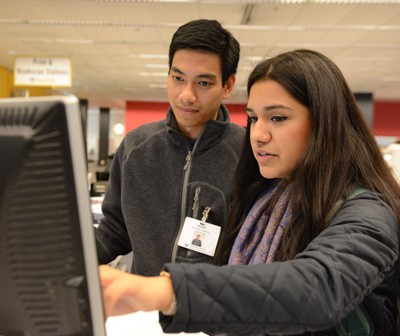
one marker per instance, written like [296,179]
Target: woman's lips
[264,156]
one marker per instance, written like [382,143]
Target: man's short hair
[210,36]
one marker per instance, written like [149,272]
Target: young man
[171,176]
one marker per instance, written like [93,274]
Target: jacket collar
[211,133]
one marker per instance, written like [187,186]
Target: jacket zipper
[186,168]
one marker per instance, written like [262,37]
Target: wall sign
[42,71]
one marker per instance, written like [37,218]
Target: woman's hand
[125,293]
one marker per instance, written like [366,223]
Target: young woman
[313,234]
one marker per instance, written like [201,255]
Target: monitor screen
[49,282]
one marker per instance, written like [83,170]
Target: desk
[137,324]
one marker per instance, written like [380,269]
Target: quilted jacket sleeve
[312,292]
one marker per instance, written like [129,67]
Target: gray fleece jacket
[157,179]
[354,260]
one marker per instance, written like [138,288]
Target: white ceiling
[118,49]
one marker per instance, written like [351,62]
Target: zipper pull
[205,214]
[188,159]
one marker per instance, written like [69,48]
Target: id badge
[199,236]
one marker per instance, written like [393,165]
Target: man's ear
[230,83]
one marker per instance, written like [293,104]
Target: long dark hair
[342,153]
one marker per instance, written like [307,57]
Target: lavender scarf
[260,234]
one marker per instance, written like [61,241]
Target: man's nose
[188,94]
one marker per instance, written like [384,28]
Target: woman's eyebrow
[270,108]
[278,106]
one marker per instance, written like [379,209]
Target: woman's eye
[278,118]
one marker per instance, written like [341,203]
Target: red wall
[138,113]
[386,119]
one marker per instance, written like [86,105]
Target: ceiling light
[390,79]
[157,86]
[153,74]
[380,2]
[156,66]
[155,56]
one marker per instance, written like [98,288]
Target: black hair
[210,36]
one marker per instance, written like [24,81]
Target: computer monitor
[49,281]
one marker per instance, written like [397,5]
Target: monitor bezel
[79,167]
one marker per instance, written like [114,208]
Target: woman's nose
[261,133]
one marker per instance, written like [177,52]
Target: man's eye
[252,119]
[177,78]
[278,118]
[204,83]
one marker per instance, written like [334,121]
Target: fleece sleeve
[112,238]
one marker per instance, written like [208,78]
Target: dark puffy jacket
[353,261]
